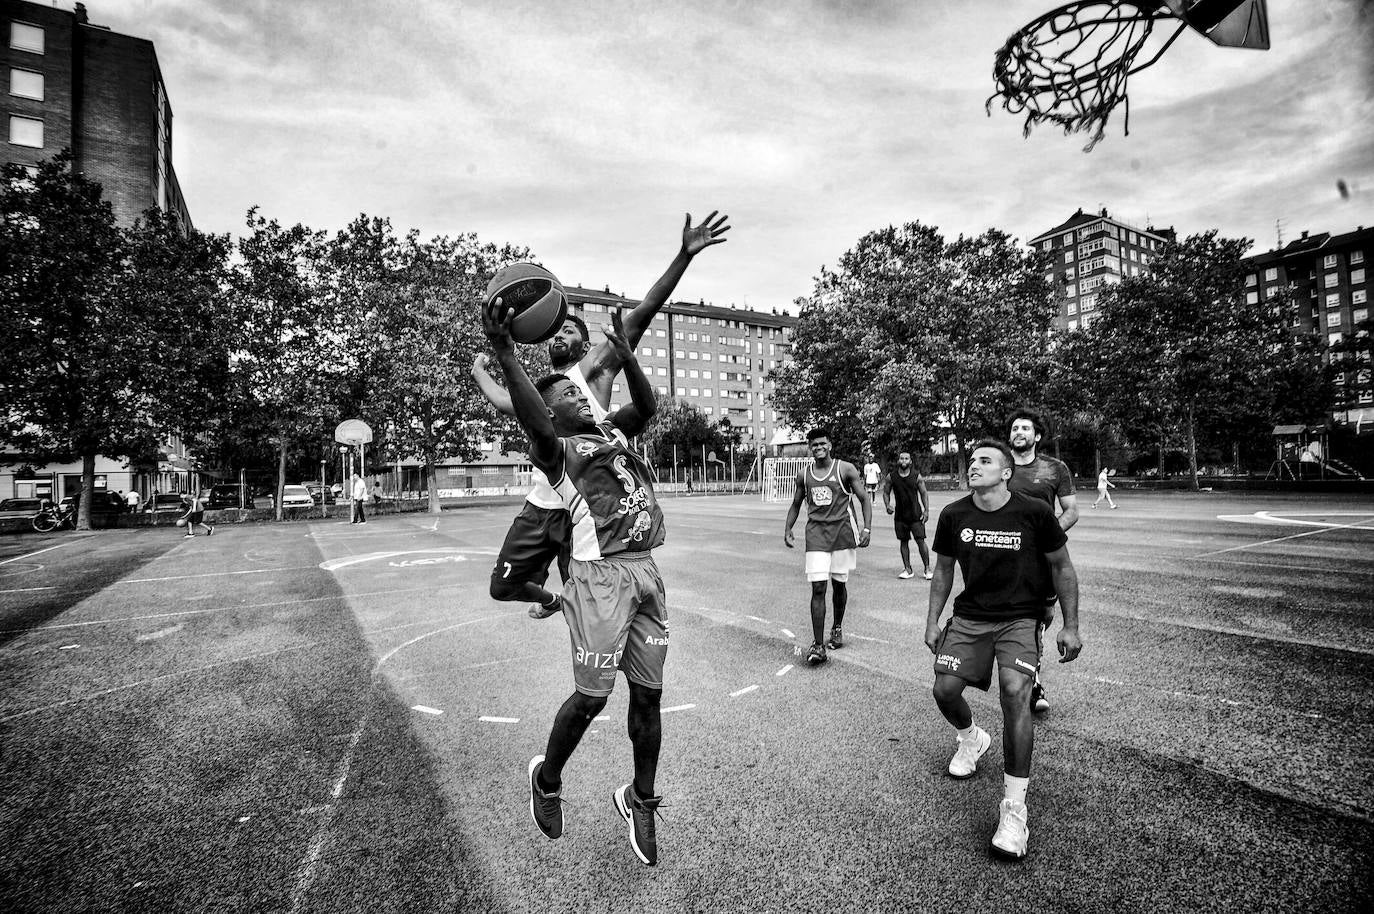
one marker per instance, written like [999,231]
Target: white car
[296,497]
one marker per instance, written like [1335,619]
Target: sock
[969,732]
[1014,788]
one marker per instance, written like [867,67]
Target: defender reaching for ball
[614,599]
[539,533]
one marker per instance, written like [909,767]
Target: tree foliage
[911,334]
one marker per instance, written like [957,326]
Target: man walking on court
[357,487]
[1049,480]
[539,533]
[614,601]
[872,473]
[913,507]
[1103,484]
[1005,545]
[831,540]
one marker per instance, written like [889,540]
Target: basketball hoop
[1071,65]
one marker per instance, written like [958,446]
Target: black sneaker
[546,809]
[817,655]
[540,611]
[1040,703]
[639,813]
[836,639]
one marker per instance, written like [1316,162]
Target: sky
[587,130]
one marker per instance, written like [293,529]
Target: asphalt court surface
[318,716]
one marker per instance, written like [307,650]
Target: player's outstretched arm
[923,496]
[887,492]
[1066,585]
[1068,511]
[545,452]
[633,417]
[695,239]
[941,583]
[497,395]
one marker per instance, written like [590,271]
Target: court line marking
[500,720]
[39,552]
[747,689]
[27,589]
[305,873]
[1291,517]
[1283,539]
[677,708]
[332,565]
[788,633]
[211,574]
[425,709]
[783,671]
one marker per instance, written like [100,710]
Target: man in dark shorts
[913,507]
[1040,476]
[539,533]
[1004,544]
[613,600]
[195,517]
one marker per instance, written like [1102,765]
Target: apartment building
[1088,251]
[78,86]
[1328,274]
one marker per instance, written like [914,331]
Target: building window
[1046,244]
[1073,325]
[661,371]
[1359,315]
[1357,256]
[1068,254]
[1333,319]
[1069,273]
[24,37]
[1333,300]
[1330,261]
[1330,279]
[661,353]
[26,84]
[706,375]
[660,334]
[1356,277]
[1358,297]
[646,350]
[682,391]
[26,131]
[680,373]
[1251,298]
[706,337]
[1333,338]
[1271,274]
[707,392]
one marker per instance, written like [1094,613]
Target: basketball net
[1070,66]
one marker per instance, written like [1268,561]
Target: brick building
[1329,276]
[74,85]
[1088,251]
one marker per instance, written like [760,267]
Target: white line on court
[783,671]
[744,691]
[500,720]
[757,619]
[39,552]
[677,708]
[866,638]
[788,633]
[425,709]
[212,574]
[27,589]
[1283,539]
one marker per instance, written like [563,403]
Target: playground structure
[1303,452]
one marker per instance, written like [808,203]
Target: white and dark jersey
[830,523]
[543,495]
[608,493]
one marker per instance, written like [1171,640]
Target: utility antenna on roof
[1278,233]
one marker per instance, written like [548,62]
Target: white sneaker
[1012,832]
[907,574]
[928,576]
[965,761]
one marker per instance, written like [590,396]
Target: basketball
[534,295]
[181,521]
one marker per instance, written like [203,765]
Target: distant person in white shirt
[1103,484]
[358,487]
[872,474]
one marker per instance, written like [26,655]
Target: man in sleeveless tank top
[913,507]
[831,535]
[613,599]
[539,533]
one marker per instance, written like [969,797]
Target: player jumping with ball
[539,533]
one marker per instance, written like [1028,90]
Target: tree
[292,355]
[101,343]
[415,304]
[1181,351]
[681,430]
[911,334]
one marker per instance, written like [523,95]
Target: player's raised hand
[496,325]
[696,239]
[620,345]
[1069,644]
[481,362]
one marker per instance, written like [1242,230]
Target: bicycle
[49,519]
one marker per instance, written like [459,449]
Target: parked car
[105,508]
[227,495]
[166,503]
[20,507]
[318,491]
[296,497]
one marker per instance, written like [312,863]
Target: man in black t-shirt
[1005,544]
[913,507]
